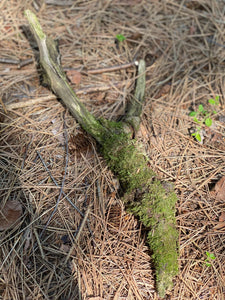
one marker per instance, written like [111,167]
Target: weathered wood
[56,79]
[144,195]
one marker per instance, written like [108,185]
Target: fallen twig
[145,195]
[83,91]
[53,179]
[63,180]
[78,233]
[12,61]
[113,68]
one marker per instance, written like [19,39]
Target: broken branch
[145,196]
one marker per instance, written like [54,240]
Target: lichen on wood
[144,195]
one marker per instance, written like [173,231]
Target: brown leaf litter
[11,212]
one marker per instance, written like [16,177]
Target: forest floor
[87,246]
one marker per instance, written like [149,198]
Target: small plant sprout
[210,257]
[203,117]
[214,101]
[120,37]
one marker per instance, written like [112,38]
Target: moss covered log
[152,201]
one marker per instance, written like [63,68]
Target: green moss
[126,159]
[148,199]
[156,210]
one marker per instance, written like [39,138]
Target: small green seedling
[120,37]
[210,257]
[214,101]
[203,117]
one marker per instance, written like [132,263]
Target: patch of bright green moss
[146,198]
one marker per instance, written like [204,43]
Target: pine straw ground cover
[99,252]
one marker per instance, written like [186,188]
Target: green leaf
[208,122]
[196,120]
[193,113]
[120,37]
[198,136]
[201,108]
[210,255]
[208,264]
[217,98]
[212,101]
[214,111]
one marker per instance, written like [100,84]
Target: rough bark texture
[150,200]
